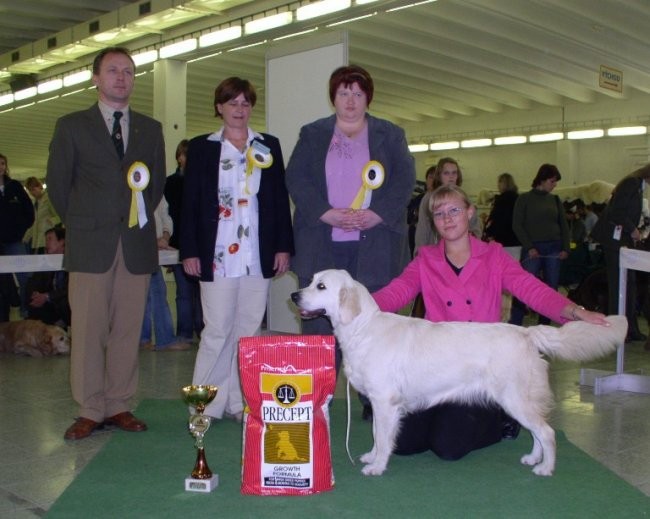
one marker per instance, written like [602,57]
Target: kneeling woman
[462,279]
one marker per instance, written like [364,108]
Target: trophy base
[202,485]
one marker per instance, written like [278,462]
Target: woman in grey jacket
[350,177]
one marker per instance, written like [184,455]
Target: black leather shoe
[366,414]
[510,428]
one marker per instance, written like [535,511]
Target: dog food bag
[288,384]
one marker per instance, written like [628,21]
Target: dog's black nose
[295,297]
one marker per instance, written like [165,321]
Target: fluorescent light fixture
[514,139]
[448,145]
[145,57]
[585,134]
[414,4]
[546,137]
[6,99]
[77,77]
[363,2]
[49,86]
[220,36]
[178,48]
[417,148]
[320,8]
[26,106]
[294,34]
[627,130]
[356,19]
[25,93]
[268,22]
[72,93]
[475,143]
[47,99]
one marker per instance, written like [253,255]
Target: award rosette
[372,177]
[258,157]
[138,179]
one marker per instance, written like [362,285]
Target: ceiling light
[6,99]
[349,20]
[627,130]
[546,137]
[417,148]
[180,47]
[76,78]
[143,58]
[268,22]
[220,36]
[362,2]
[514,139]
[448,145]
[26,106]
[414,4]
[475,143]
[320,8]
[25,93]
[49,86]
[585,134]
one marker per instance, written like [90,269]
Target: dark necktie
[118,140]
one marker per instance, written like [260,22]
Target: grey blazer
[383,250]
[87,184]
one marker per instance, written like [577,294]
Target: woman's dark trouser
[612,264]
[450,430]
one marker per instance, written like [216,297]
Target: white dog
[405,364]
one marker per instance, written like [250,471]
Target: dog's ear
[349,304]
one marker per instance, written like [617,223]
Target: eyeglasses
[451,213]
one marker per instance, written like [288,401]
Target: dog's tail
[578,340]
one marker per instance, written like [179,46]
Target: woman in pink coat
[462,279]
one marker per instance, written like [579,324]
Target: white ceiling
[450,60]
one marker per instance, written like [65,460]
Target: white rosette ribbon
[372,177]
[138,178]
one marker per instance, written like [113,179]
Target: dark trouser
[345,256]
[450,430]
[612,264]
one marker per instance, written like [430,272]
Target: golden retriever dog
[33,338]
[405,364]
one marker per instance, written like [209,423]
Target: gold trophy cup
[202,478]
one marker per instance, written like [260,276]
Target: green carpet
[142,475]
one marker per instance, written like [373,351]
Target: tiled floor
[36,407]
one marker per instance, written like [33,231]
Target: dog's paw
[368,457]
[530,459]
[542,470]
[373,469]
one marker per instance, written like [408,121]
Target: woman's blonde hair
[444,192]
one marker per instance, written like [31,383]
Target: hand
[635,235]
[281,263]
[533,253]
[563,255]
[574,312]
[192,267]
[163,243]
[367,219]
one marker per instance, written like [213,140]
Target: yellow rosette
[372,177]
[258,157]
[138,179]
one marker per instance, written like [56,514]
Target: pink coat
[475,294]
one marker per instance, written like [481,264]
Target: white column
[289,105]
[169,104]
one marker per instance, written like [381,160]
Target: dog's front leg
[384,426]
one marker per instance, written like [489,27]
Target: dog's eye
[320,286]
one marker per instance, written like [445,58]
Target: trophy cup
[202,479]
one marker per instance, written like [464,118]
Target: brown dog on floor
[33,338]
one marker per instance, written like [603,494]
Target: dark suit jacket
[624,209]
[87,183]
[200,212]
[383,250]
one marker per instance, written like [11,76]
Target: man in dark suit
[48,291]
[106,175]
